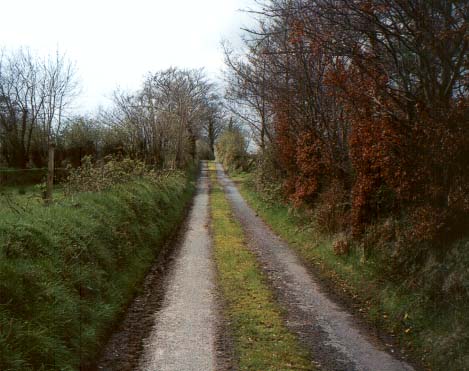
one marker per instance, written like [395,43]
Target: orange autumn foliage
[369,117]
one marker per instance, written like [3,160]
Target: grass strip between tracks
[261,340]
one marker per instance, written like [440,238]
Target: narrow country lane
[327,330]
[184,332]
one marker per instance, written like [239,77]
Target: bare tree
[34,95]
[59,87]
[246,94]
[166,117]
[214,121]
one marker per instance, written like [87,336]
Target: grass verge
[261,340]
[436,336]
[68,271]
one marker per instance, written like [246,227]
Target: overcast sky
[115,42]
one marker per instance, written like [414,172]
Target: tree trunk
[50,174]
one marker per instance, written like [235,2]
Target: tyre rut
[184,335]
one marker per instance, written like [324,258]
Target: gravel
[331,334]
[184,335]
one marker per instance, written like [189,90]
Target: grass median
[261,340]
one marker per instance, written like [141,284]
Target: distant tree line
[174,117]
[175,112]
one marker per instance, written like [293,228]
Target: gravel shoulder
[329,331]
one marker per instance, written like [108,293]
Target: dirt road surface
[331,334]
[184,331]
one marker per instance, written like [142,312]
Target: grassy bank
[261,340]
[435,334]
[68,271]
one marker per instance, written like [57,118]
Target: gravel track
[184,335]
[331,333]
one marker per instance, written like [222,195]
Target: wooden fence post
[50,174]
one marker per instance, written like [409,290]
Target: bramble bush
[96,177]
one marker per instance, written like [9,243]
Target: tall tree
[34,95]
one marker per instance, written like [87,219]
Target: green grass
[262,342]
[24,198]
[68,271]
[437,335]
